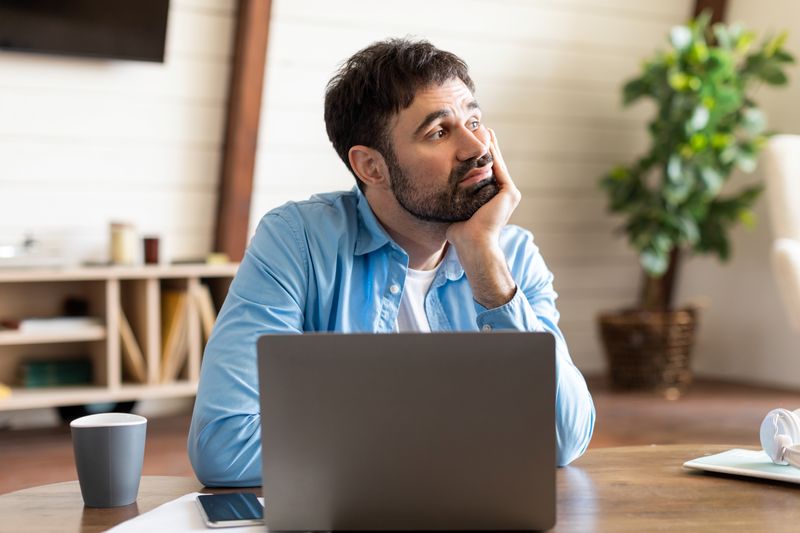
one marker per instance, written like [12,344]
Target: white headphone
[780,436]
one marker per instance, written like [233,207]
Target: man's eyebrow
[441,113]
[429,118]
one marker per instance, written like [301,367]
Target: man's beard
[450,204]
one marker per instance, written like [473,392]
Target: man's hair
[378,82]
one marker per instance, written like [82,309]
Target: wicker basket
[649,350]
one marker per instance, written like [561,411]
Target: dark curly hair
[376,83]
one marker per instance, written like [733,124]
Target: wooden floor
[710,413]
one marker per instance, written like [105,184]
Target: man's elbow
[209,474]
[205,464]
[565,456]
[572,445]
[225,462]
[213,470]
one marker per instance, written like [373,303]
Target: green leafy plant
[706,125]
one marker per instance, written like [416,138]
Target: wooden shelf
[84,334]
[117,272]
[129,298]
[22,398]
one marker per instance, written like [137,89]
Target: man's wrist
[494,295]
[488,275]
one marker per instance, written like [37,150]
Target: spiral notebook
[750,463]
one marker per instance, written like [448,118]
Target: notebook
[750,463]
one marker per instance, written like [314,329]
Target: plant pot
[649,350]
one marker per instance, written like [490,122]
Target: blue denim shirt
[326,264]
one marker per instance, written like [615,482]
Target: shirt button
[487,327]
[395,288]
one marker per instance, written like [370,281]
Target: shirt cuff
[516,314]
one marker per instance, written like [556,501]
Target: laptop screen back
[408,431]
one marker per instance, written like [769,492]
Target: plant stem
[658,294]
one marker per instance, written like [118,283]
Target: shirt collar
[451,265]
[371,234]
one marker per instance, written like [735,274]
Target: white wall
[745,334]
[85,141]
[548,76]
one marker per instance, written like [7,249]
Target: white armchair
[782,170]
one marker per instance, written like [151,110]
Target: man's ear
[369,166]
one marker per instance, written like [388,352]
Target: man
[422,244]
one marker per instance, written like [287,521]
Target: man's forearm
[487,271]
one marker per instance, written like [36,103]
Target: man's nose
[473,144]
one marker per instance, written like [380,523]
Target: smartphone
[231,509]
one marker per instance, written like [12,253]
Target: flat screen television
[118,29]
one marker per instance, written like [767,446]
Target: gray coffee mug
[109,450]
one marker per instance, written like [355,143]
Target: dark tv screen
[119,29]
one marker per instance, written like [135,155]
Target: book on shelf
[174,345]
[56,372]
[201,295]
[133,362]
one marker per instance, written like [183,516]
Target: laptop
[409,431]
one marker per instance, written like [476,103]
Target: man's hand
[485,225]
[477,239]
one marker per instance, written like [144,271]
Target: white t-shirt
[411,316]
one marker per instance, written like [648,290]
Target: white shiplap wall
[548,76]
[85,141]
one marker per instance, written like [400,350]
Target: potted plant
[672,199]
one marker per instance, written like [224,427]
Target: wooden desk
[641,488]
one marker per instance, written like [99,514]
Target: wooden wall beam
[717,8]
[241,129]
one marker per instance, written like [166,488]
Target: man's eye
[438,134]
[475,124]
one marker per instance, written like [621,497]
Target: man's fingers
[501,171]
[494,138]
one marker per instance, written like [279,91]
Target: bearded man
[421,244]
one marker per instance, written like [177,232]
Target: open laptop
[430,431]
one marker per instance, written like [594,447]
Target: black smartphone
[231,509]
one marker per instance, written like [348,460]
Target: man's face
[439,162]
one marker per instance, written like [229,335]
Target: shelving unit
[94,333]
[135,291]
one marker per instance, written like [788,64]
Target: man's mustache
[467,166]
